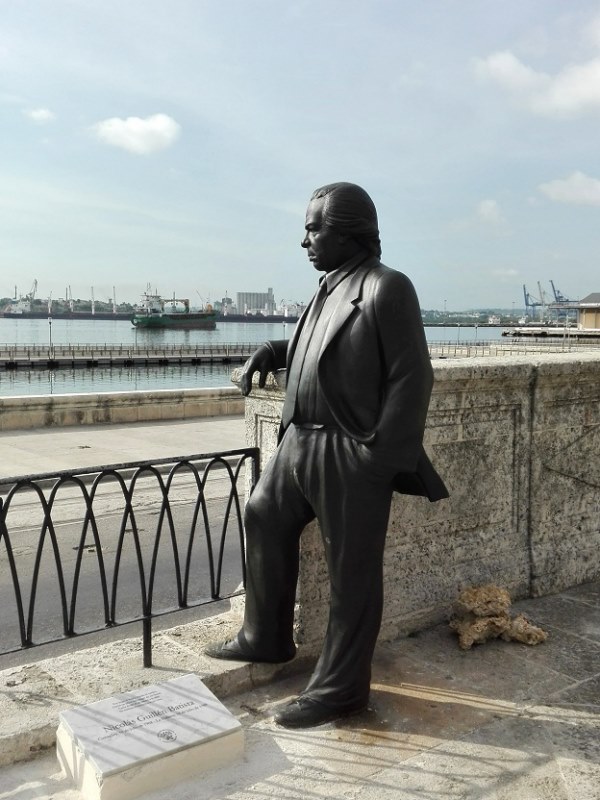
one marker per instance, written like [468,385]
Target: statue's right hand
[261,361]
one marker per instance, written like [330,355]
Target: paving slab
[485,724]
[40,450]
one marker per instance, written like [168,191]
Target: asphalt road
[24,522]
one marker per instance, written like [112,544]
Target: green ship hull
[202,320]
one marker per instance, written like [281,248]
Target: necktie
[295,372]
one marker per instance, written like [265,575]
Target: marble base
[150,738]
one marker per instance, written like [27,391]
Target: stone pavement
[37,450]
[500,722]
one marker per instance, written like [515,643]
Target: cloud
[141,136]
[40,115]
[578,189]
[574,90]
[511,74]
[489,211]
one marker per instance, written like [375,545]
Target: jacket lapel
[296,335]
[350,297]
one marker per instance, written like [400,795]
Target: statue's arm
[408,376]
[269,357]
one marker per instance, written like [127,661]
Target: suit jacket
[375,373]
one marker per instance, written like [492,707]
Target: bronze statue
[358,388]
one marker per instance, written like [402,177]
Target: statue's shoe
[235,650]
[304,712]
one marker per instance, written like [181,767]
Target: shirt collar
[336,276]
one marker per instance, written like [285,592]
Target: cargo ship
[158,314]
[58,314]
[27,307]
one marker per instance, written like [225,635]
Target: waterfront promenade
[36,450]
[500,722]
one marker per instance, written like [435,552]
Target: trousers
[319,473]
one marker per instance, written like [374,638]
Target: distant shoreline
[125,316]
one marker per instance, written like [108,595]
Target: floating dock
[545,332]
[93,355]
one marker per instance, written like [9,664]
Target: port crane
[531,302]
[559,296]
[560,304]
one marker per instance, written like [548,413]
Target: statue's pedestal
[143,740]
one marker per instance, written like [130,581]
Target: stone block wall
[565,475]
[20,413]
[516,440]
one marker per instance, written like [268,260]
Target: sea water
[115,379]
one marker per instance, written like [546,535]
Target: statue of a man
[359,379]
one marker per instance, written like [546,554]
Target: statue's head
[350,210]
[341,221]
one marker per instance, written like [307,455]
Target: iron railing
[120,538]
[28,356]
[108,349]
[509,347]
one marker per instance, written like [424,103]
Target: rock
[521,630]
[476,630]
[483,601]
[482,614]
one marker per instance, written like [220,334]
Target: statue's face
[326,248]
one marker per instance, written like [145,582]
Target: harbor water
[104,379]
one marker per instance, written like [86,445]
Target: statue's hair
[350,210]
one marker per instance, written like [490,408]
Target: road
[24,521]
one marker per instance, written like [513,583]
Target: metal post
[147,640]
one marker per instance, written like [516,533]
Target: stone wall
[517,442]
[19,413]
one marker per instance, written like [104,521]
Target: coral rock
[521,630]
[476,630]
[482,614]
[483,601]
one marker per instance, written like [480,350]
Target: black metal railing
[509,347]
[90,549]
[106,351]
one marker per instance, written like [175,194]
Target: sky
[176,143]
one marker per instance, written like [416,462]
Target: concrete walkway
[500,722]
[35,451]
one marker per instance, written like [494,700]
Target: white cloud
[40,115]
[574,90]
[506,70]
[141,136]
[508,272]
[489,211]
[578,189]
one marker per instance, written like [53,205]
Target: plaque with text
[141,740]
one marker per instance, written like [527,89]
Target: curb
[32,695]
